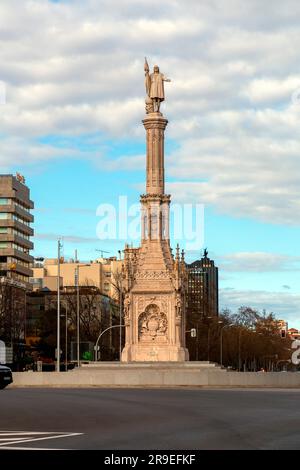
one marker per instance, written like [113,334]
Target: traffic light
[193,332]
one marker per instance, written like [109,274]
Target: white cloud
[270,91]
[65,238]
[76,68]
[258,262]
[283,304]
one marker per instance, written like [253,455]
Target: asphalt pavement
[168,419]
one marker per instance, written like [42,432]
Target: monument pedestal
[154,354]
[154,281]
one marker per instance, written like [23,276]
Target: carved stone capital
[152,275]
[164,198]
[155,121]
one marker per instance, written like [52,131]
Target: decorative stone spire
[177,252]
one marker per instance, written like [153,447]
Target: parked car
[5,376]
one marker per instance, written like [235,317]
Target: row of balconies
[12,238]
[17,225]
[10,193]
[16,254]
[18,268]
[15,209]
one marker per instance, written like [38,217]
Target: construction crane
[103,251]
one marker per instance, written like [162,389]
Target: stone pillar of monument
[155,281]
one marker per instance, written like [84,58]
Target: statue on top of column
[154,84]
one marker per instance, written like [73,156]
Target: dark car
[5,376]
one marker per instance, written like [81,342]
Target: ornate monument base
[154,280]
[154,354]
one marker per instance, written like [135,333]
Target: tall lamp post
[120,312]
[97,355]
[78,309]
[65,303]
[77,314]
[59,246]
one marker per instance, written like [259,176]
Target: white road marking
[8,442]
[31,448]
[8,439]
[29,433]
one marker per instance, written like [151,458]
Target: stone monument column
[155,125]
[155,282]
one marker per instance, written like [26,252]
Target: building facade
[103,273]
[202,292]
[15,261]
[293,333]
[202,305]
[15,230]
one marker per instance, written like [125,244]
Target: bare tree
[12,312]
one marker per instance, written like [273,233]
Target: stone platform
[156,375]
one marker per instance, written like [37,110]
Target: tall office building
[15,230]
[15,260]
[202,296]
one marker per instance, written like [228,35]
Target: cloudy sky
[71,104]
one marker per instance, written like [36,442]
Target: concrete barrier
[156,375]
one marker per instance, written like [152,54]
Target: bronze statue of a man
[154,84]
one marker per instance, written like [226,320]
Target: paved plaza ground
[149,419]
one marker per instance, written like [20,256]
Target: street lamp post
[78,310]
[59,246]
[99,337]
[66,334]
[120,313]
[77,315]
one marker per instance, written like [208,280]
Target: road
[91,418]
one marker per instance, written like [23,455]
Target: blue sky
[71,124]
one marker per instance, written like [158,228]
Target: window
[3,245]
[19,219]
[3,230]
[4,215]
[4,201]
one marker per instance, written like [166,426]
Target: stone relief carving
[178,305]
[126,309]
[153,275]
[153,325]
[140,303]
[156,125]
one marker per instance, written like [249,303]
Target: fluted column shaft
[155,125]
